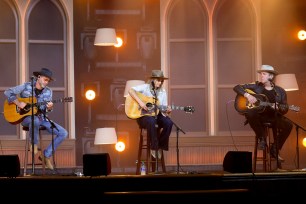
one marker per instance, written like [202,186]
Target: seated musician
[42,93]
[275,115]
[153,88]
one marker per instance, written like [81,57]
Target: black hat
[157,74]
[44,72]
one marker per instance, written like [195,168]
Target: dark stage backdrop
[108,68]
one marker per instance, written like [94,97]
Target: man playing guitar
[271,113]
[43,94]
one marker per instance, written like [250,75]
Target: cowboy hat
[157,74]
[44,72]
[267,68]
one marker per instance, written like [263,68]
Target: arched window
[187,67]
[28,43]
[234,42]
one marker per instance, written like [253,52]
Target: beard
[42,85]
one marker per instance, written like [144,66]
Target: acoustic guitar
[14,115]
[134,111]
[242,104]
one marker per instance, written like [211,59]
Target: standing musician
[275,95]
[153,88]
[43,94]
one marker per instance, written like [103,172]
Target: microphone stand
[156,125]
[297,141]
[177,144]
[276,125]
[32,126]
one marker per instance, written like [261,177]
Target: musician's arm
[242,90]
[283,106]
[20,104]
[48,107]
[11,95]
[133,94]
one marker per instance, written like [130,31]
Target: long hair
[151,82]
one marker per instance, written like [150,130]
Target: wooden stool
[40,148]
[266,156]
[144,144]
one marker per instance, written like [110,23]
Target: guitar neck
[164,108]
[291,107]
[177,107]
[59,100]
[265,103]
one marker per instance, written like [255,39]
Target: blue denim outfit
[25,91]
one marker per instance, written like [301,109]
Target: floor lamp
[289,83]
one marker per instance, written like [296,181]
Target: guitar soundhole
[150,106]
[25,110]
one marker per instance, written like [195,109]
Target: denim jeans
[59,133]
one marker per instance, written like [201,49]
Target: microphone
[270,79]
[32,77]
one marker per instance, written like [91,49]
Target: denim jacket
[25,91]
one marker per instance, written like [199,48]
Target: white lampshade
[287,82]
[105,136]
[105,37]
[129,84]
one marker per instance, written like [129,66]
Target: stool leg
[147,146]
[264,159]
[42,152]
[25,161]
[255,155]
[163,162]
[139,153]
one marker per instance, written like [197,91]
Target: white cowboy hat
[267,68]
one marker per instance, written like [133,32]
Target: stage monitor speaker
[9,166]
[97,164]
[238,162]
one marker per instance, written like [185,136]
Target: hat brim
[40,74]
[269,71]
[165,78]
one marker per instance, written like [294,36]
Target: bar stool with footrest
[150,162]
[266,157]
[29,148]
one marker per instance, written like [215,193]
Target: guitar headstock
[67,99]
[189,109]
[294,108]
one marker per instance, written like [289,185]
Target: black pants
[159,140]
[280,124]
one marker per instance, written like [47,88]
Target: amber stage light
[119,42]
[90,95]
[302,34]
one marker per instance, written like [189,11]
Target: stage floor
[157,187]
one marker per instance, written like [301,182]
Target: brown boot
[47,161]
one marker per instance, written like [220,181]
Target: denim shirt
[25,91]
[161,93]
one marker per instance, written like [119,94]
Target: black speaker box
[9,166]
[238,162]
[96,164]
